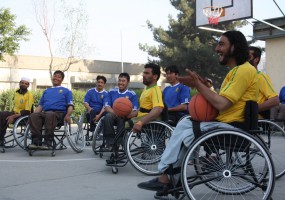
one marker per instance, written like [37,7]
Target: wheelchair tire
[274,137]
[19,129]
[225,174]
[97,140]
[75,137]
[144,149]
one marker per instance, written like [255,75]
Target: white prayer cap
[25,79]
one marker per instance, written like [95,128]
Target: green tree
[187,46]
[10,34]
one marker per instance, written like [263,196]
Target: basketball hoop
[213,13]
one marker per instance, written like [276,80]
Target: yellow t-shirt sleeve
[157,97]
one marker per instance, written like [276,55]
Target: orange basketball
[122,107]
[201,110]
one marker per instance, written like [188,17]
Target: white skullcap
[25,79]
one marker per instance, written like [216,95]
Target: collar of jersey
[151,86]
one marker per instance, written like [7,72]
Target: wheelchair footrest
[113,163]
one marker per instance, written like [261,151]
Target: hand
[67,119]
[191,79]
[137,127]
[10,119]
[96,118]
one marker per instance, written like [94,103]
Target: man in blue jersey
[55,104]
[110,118]
[94,100]
[176,96]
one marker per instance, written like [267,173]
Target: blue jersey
[56,99]
[96,99]
[282,95]
[114,93]
[176,95]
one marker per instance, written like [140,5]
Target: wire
[279,8]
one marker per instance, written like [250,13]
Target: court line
[65,160]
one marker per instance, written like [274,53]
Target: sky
[116,27]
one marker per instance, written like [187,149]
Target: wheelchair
[224,164]
[85,125]
[74,134]
[274,137]
[15,133]
[142,149]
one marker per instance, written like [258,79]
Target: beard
[146,81]
[226,58]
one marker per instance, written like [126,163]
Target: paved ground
[73,176]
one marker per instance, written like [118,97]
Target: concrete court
[73,176]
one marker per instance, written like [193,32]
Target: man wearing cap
[23,103]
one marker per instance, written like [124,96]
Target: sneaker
[43,147]
[33,146]
[46,145]
[154,185]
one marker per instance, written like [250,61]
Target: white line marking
[67,160]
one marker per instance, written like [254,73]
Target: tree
[73,43]
[10,34]
[187,46]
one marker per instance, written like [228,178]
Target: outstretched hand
[192,79]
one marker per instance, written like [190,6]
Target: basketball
[122,107]
[201,110]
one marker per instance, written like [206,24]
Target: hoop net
[213,13]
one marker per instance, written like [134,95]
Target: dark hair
[101,77]
[237,39]
[155,69]
[256,51]
[172,69]
[59,72]
[125,75]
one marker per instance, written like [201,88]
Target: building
[274,48]
[81,75]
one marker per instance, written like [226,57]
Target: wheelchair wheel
[27,140]
[97,141]
[75,136]
[19,129]
[144,149]
[241,167]
[274,137]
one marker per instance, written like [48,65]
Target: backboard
[233,10]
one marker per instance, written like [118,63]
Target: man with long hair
[239,86]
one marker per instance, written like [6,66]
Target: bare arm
[109,109]
[134,113]
[152,115]
[38,109]
[181,107]
[10,119]
[97,117]
[68,114]
[269,103]
[88,108]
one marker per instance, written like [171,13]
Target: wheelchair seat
[74,134]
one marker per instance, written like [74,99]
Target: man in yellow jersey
[151,104]
[23,102]
[239,86]
[267,97]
